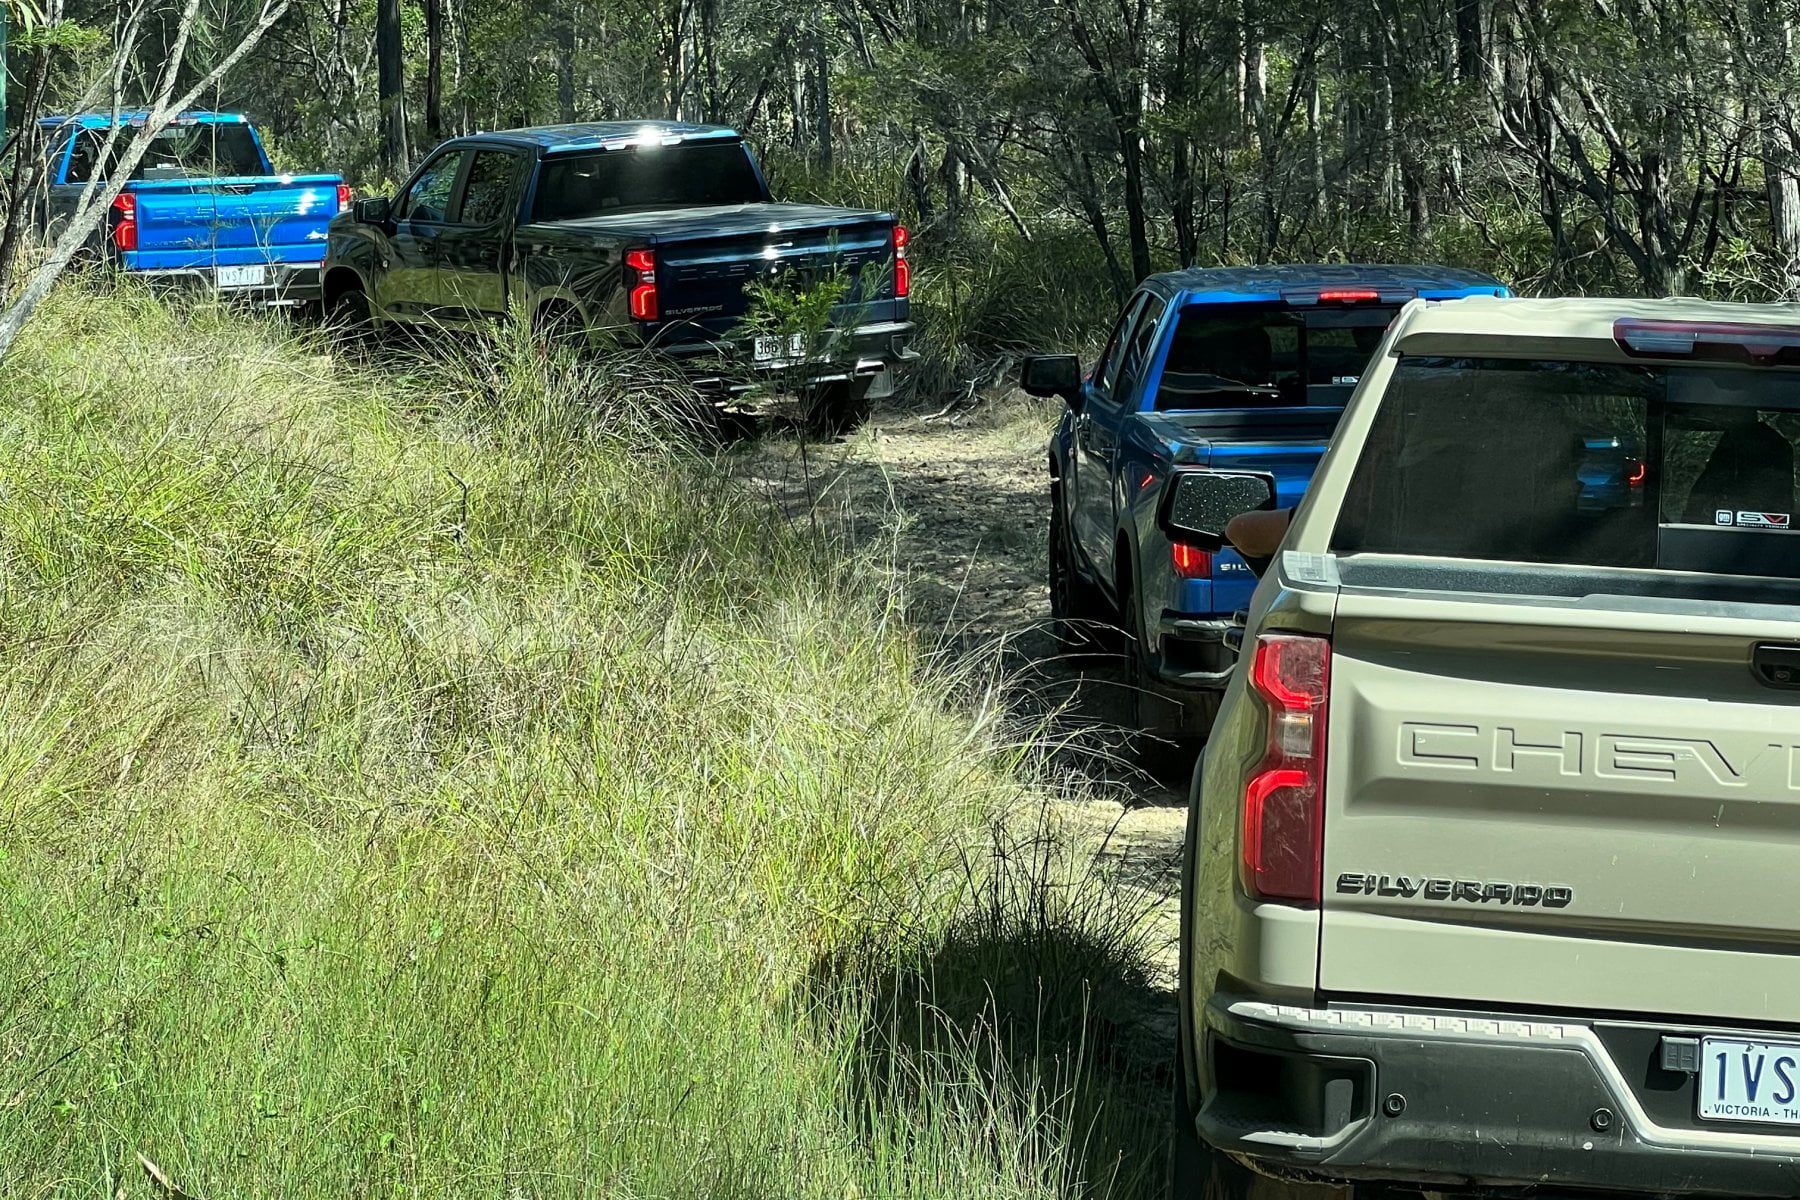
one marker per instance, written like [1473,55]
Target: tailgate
[234,220]
[1292,463]
[1562,772]
[703,278]
[1589,810]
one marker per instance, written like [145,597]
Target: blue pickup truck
[1240,369]
[204,206]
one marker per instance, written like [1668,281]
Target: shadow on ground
[1036,1015]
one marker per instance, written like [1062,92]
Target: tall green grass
[439,782]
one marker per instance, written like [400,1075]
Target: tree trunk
[390,89]
[565,67]
[822,92]
[1181,151]
[28,165]
[1471,57]
[434,70]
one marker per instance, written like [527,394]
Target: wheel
[1078,612]
[835,409]
[1196,1170]
[558,329]
[1170,729]
[350,321]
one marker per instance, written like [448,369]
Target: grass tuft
[439,780]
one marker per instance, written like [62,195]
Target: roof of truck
[602,135]
[1582,317]
[1264,284]
[139,116]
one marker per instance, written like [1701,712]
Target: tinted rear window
[686,176]
[1254,355]
[1581,464]
[203,150]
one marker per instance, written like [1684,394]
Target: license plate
[773,346]
[243,277]
[1750,1081]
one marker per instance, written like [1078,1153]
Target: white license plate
[772,346]
[243,277]
[1750,1081]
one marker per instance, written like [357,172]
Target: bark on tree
[390,89]
[434,70]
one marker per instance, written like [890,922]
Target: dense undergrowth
[443,783]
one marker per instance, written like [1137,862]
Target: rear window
[202,150]
[1253,356]
[693,175]
[1581,464]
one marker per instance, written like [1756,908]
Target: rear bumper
[1191,652]
[1454,1100]
[284,283]
[875,355]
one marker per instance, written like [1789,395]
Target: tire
[558,328]
[835,409]
[1196,1170]
[350,321]
[1078,612]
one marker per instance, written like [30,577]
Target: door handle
[1777,664]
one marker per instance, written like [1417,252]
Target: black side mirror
[376,210]
[1052,375]
[1197,503]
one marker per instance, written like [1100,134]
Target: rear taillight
[343,197]
[1283,834]
[1191,562]
[902,268]
[644,304]
[1349,296]
[125,221]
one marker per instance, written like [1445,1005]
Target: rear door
[1564,756]
[473,245]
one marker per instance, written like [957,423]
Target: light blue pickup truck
[204,207]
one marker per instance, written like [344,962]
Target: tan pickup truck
[1492,881]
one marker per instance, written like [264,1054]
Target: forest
[1050,155]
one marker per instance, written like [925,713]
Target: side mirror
[1052,375]
[376,210]
[1197,503]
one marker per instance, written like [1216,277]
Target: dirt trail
[962,504]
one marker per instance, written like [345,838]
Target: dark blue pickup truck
[1240,369]
[204,206]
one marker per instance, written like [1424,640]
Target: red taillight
[1637,476]
[644,305]
[1283,836]
[1191,562]
[1348,295]
[343,197]
[902,268]
[124,221]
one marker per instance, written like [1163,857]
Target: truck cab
[1239,369]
